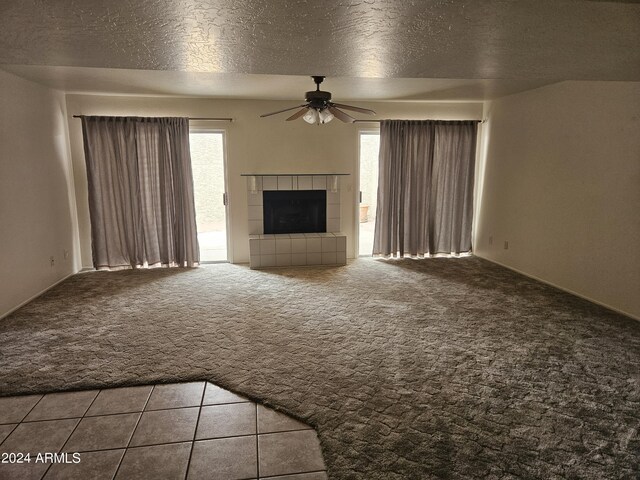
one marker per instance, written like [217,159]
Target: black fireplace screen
[294,211]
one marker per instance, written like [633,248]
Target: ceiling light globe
[325,116]
[311,116]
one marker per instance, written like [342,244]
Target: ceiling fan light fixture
[311,116]
[325,116]
[319,108]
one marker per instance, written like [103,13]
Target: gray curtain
[425,188]
[140,192]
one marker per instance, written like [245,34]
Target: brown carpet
[442,368]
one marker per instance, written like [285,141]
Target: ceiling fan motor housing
[318,99]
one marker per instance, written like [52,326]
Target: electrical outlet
[491,240]
[52,260]
[506,245]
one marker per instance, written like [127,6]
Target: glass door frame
[361,131]
[196,127]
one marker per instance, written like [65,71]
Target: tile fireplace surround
[323,248]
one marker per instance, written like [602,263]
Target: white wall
[255,145]
[562,185]
[37,207]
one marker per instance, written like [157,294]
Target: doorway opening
[209,185]
[369,150]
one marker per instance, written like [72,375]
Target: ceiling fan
[319,107]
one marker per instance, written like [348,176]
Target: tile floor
[178,431]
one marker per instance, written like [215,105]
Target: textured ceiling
[524,40]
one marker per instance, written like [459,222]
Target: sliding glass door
[208,164]
[369,147]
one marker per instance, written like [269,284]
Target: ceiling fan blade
[355,109]
[282,111]
[341,115]
[298,114]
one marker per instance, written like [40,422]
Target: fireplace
[295,220]
[294,211]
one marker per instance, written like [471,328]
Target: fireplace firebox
[294,211]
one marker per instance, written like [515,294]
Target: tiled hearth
[298,249]
[322,248]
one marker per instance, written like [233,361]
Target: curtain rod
[213,119]
[380,121]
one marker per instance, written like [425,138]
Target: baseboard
[592,300]
[33,297]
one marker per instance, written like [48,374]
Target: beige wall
[255,145]
[559,178]
[37,206]
[562,186]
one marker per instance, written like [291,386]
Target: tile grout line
[110,449]
[184,441]
[129,412]
[195,431]
[284,431]
[202,405]
[53,419]
[72,431]
[153,387]
[257,446]
[283,475]
[146,445]
[94,416]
